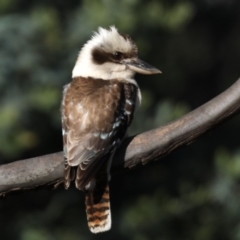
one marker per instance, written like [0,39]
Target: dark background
[192,194]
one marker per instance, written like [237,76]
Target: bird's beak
[140,66]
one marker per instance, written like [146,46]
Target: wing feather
[94,122]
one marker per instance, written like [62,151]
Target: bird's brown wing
[95,117]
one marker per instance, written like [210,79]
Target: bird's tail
[98,207]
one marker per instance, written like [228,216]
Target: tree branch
[134,151]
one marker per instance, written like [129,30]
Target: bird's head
[110,55]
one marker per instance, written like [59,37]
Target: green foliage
[192,194]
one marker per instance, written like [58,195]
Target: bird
[97,108]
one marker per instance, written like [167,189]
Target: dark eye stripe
[100,57]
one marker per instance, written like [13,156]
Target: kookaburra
[97,109]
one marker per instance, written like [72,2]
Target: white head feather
[109,41]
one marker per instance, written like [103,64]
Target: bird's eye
[117,55]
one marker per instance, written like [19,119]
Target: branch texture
[134,151]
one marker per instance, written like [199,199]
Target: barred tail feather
[98,209]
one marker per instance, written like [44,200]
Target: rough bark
[135,151]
